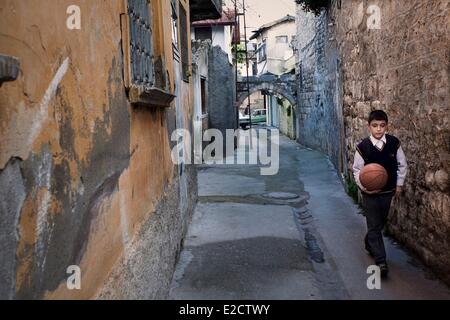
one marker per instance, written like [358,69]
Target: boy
[385,150]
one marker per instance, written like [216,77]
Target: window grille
[142,72]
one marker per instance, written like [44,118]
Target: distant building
[274,52]
[220,31]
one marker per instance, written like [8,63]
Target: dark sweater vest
[386,157]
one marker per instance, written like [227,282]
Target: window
[140,43]
[144,77]
[203,33]
[281,39]
[254,68]
[174,24]
[184,44]
[203,93]
[262,51]
[293,43]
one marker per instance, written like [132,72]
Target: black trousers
[376,208]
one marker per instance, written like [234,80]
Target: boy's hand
[398,191]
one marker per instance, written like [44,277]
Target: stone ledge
[150,96]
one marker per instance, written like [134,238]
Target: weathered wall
[273,111]
[319,113]
[221,92]
[87,171]
[200,63]
[286,117]
[146,268]
[221,36]
[402,68]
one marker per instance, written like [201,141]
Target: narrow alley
[115,117]
[294,235]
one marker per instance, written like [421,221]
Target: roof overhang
[205,9]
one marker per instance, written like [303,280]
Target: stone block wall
[402,68]
[221,92]
[320,124]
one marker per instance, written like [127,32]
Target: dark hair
[378,115]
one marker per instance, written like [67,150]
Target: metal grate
[142,72]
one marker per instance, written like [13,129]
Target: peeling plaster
[124,223]
[12,196]
[44,181]
[43,105]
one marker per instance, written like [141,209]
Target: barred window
[142,72]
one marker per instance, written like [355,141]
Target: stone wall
[145,271]
[319,122]
[221,92]
[402,68]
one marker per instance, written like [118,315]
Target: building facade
[88,186]
[219,31]
[274,52]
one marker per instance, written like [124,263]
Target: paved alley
[294,235]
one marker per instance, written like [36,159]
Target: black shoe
[384,269]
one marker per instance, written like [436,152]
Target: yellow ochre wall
[92,167]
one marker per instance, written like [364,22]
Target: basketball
[373,176]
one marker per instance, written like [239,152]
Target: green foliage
[352,188]
[240,55]
[314,6]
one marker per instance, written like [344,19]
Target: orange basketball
[373,176]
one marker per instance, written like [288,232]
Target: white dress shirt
[358,162]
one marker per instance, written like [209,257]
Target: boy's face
[377,128]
